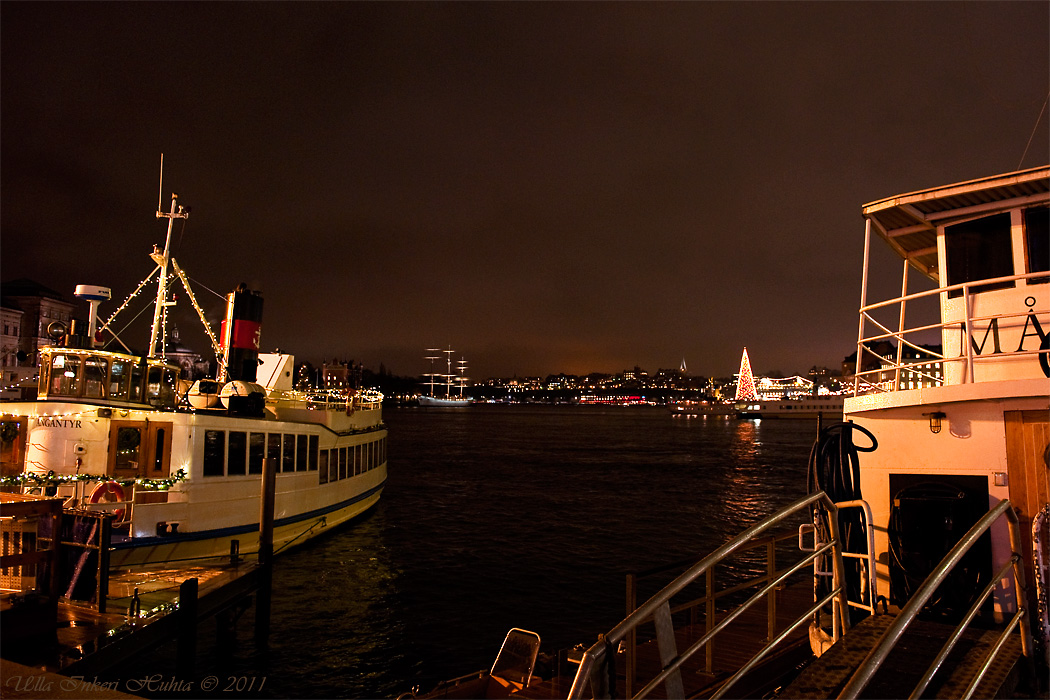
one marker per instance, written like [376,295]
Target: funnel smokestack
[241,330]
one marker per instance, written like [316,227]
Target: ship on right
[929,501]
[953,383]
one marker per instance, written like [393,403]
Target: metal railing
[877,656]
[596,665]
[708,601]
[887,377]
[866,559]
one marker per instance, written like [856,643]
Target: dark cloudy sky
[543,186]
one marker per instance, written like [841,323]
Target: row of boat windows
[237,452]
[98,377]
[344,462]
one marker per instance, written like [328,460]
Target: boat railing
[597,663]
[866,559]
[878,654]
[919,363]
[708,602]
[333,400]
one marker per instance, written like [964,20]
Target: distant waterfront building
[919,367]
[28,308]
[40,308]
[193,366]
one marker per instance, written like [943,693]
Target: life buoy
[104,491]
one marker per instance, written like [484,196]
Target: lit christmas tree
[745,385]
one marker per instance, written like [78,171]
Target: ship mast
[448,372]
[432,374]
[462,378]
[160,309]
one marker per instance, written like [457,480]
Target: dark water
[506,516]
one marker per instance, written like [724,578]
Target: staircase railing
[596,665]
[893,633]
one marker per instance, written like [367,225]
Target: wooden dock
[83,619]
[146,607]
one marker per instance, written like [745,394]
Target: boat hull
[287,533]
[438,402]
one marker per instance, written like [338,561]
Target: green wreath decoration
[52,479]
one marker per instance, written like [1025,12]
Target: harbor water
[501,516]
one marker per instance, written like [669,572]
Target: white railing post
[968,334]
[900,328]
[863,303]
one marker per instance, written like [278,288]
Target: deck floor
[908,661]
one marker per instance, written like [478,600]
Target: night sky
[546,187]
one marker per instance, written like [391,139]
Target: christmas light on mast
[745,385]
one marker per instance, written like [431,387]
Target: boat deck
[780,675]
[908,661]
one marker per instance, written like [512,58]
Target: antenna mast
[160,309]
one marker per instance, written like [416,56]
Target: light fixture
[935,421]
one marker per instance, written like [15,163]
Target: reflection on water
[507,516]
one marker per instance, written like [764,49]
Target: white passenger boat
[825,407]
[180,467]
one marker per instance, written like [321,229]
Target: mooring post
[105,532]
[266,507]
[186,651]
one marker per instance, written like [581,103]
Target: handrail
[867,577]
[952,288]
[862,381]
[595,662]
[770,542]
[877,656]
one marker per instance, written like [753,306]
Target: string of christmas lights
[745,388]
[52,479]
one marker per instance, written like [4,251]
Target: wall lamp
[935,421]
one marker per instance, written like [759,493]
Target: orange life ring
[103,492]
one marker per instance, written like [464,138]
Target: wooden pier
[85,619]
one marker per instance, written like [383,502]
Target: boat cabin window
[314,441]
[1037,242]
[979,249]
[256,452]
[300,452]
[65,375]
[214,453]
[288,460]
[237,456]
[119,379]
[135,387]
[273,449]
[96,372]
[161,386]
